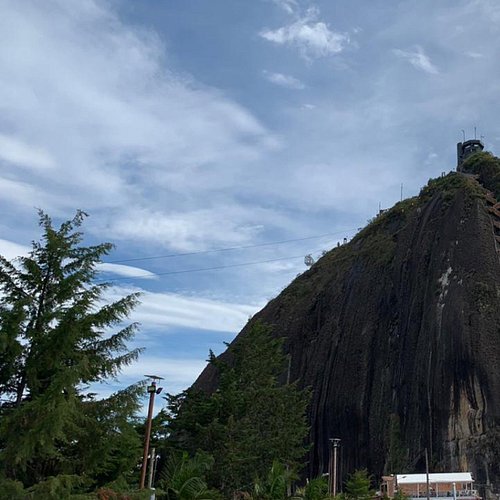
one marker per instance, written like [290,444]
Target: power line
[214,268]
[226,249]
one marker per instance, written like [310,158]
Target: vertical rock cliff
[398,334]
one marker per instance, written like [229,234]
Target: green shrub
[487,167]
[58,488]
[11,490]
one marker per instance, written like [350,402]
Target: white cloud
[18,192]
[17,152]
[91,107]
[418,59]
[295,265]
[474,55]
[174,370]
[125,271]
[311,37]
[160,310]
[283,80]
[226,224]
[178,375]
[11,250]
[289,6]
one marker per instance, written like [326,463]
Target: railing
[444,494]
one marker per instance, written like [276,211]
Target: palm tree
[184,478]
[315,489]
[275,486]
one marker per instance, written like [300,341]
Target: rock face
[398,334]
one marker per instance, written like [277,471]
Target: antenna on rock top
[463,135]
[308,260]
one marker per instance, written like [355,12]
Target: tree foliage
[184,478]
[357,487]
[315,489]
[276,485]
[250,421]
[487,167]
[56,337]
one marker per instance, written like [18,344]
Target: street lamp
[332,472]
[152,391]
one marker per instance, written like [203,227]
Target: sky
[216,143]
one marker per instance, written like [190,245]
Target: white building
[442,485]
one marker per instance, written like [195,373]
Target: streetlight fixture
[152,391]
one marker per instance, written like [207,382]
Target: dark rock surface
[398,334]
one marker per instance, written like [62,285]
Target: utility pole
[152,390]
[332,468]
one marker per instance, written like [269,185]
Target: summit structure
[466,149]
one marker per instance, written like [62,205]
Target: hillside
[398,334]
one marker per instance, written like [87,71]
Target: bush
[58,488]
[11,490]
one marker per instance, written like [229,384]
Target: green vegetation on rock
[487,168]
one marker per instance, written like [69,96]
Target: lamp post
[427,473]
[332,472]
[152,391]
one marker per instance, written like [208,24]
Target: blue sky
[187,126]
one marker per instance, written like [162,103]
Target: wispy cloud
[474,55]
[125,271]
[289,6]
[177,372]
[418,59]
[17,152]
[178,375]
[91,109]
[11,250]
[311,37]
[282,80]
[162,310]
[226,224]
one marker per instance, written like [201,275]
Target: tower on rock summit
[466,149]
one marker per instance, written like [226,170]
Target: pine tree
[54,341]
[357,486]
[251,420]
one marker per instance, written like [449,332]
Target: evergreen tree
[54,341]
[250,421]
[357,486]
